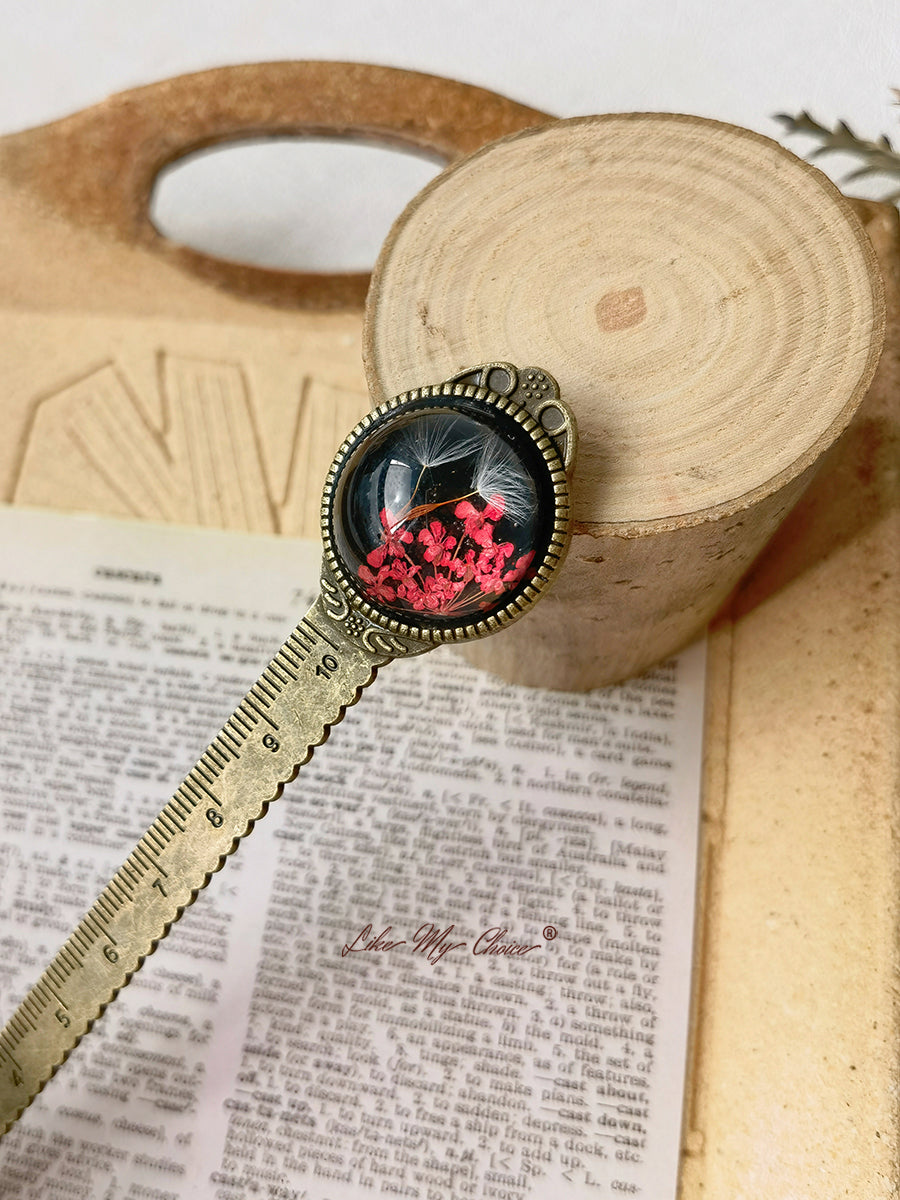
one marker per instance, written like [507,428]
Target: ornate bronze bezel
[556,450]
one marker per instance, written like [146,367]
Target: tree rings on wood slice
[711,308]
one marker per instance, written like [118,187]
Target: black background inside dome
[358,499]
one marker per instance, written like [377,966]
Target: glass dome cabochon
[442,515]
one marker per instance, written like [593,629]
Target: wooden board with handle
[115,341]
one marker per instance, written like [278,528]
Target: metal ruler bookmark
[445,515]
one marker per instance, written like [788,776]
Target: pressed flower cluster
[452,566]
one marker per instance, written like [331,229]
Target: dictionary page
[454,959]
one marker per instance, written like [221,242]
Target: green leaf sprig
[878,158]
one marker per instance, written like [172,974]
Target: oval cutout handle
[99,166]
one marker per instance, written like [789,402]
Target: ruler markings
[32,1006]
[319,634]
[70,957]
[218,750]
[155,866]
[285,655]
[109,902]
[261,695]
[145,855]
[19,1027]
[244,719]
[102,930]
[211,765]
[174,816]
[198,770]
[222,753]
[271,678]
[188,796]
[80,940]
[104,904]
[303,640]
[91,921]
[58,973]
[215,799]
[280,673]
[121,887]
[264,684]
[178,806]
[290,653]
[25,1013]
[260,712]
[288,668]
[168,824]
[140,855]
[24,1022]
[161,831]
[120,891]
[6,1044]
[128,879]
[236,738]
[192,786]
[44,987]
[153,844]
[61,991]
[139,862]
[64,970]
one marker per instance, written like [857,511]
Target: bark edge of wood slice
[712,309]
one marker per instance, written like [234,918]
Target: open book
[453,961]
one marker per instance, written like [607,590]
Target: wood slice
[712,309]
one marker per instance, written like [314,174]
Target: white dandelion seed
[498,472]
[434,442]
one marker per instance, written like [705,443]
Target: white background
[736,60]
